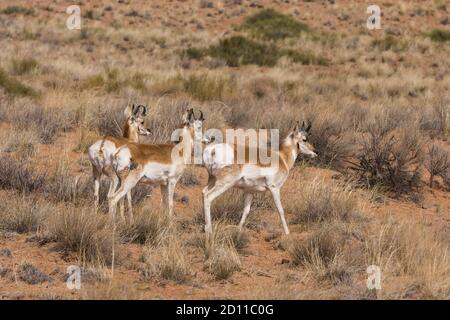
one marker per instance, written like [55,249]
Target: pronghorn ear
[144,111]
[187,116]
[297,127]
[308,128]
[129,111]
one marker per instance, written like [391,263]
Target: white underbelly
[157,173]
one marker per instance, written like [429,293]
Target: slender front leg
[276,197]
[248,197]
[126,185]
[211,193]
[97,174]
[170,194]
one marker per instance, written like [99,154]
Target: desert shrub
[22,214]
[18,175]
[272,25]
[149,226]
[238,50]
[32,275]
[46,123]
[89,236]
[62,186]
[24,66]
[333,145]
[389,158]
[22,142]
[439,35]
[17,10]
[436,120]
[15,87]
[437,163]
[108,120]
[319,201]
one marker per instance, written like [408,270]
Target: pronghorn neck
[130,133]
[289,152]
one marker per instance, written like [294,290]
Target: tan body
[161,164]
[102,151]
[225,173]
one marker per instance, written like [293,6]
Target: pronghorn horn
[201,118]
[308,128]
[133,109]
[187,115]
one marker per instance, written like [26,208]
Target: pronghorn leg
[130,206]
[248,197]
[125,186]
[277,199]
[170,194]
[122,208]
[212,193]
[164,195]
[97,174]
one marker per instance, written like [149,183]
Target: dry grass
[374,101]
[318,201]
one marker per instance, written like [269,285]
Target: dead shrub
[389,158]
[108,121]
[437,163]
[17,175]
[22,214]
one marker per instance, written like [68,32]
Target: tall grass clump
[89,236]
[319,202]
[18,175]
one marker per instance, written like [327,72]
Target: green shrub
[440,35]
[272,25]
[17,10]
[15,87]
[238,50]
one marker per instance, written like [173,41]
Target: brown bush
[437,163]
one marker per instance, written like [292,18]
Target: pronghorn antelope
[102,151]
[160,164]
[225,173]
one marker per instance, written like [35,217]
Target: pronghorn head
[299,137]
[135,116]
[192,125]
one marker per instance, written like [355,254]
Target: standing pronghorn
[159,164]
[225,173]
[102,151]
